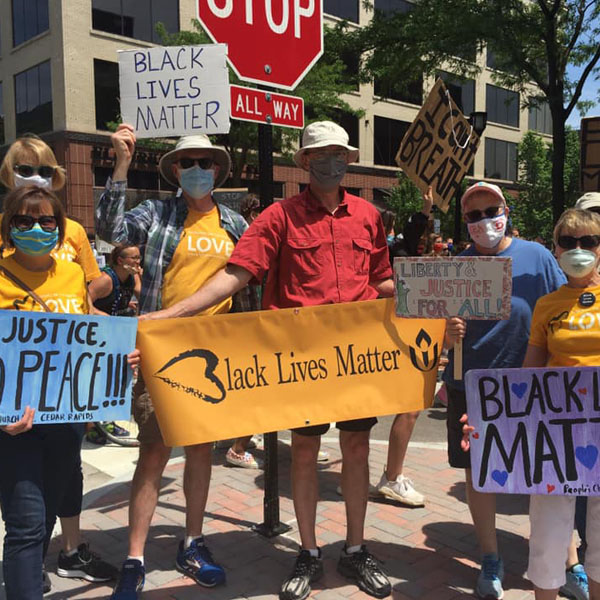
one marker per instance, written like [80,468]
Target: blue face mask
[197,182]
[34,241]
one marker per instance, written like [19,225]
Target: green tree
[322,90]
[532,210]
[534,41]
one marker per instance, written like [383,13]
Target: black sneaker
[84,564]
[306,570]
[131,581]
[46,583]
[365,570]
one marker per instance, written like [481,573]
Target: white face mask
[36,180]
[578,262]
[488,233]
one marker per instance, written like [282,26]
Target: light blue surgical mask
[34,241]
[197,182]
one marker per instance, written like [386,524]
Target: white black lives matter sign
[174,91]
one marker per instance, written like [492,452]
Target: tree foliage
[533,41]
[532,210]
[322,90]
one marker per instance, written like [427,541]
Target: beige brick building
[59,79]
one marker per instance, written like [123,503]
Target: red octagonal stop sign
[273,42]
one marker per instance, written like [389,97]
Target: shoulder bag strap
[24,287]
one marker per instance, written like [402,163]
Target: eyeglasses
[29,171]
[188,163]
[587,242]
[488,213]
[26,222]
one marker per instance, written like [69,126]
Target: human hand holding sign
[467,430]
[455,331]
[123,141]
[25,423]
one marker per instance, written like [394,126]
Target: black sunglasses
[203,163]
[587,242]
[29,170]
[26,222]
[488,213]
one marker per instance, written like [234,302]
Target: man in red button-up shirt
[320,247]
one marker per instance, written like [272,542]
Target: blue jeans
[35,468]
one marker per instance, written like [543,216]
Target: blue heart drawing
[500,477]
[587,455]
[519,389]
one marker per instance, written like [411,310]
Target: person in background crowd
[187,238]
[37,462]
[450,246]
[31,162]
[274,243]
[435,245]
[515,233]
[534,274]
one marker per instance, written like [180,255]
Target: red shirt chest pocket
[303,256]
[361,251]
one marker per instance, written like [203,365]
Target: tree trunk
[558,167]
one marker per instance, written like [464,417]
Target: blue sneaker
[577,584]
[489,582]
[197,562]
[131,581]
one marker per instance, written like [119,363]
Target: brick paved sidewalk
[429,553]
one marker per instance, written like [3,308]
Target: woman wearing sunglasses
[30,161]
[572,339]
[36,461]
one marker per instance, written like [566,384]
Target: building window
[500,160]
[462,91]
[388,135]
[135,18]
[30,18]
[351,62]
[389,7]
[502,105]
[350,124]
[540,118]
[344,9]
[1,115]
[411,93]
[106,92]
[33,100]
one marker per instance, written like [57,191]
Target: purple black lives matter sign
[537,431]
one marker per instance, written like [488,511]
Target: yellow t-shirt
[62,288]
[75,248]
[569,331]
[204,249]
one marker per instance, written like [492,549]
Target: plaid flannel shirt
[155,225]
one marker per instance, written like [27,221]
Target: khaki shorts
[144,415]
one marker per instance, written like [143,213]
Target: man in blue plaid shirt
[186,238]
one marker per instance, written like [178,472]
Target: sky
[591,91]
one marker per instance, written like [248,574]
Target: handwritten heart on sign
[519,389]
[500,477]
[587,455]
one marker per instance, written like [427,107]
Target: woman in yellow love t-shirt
[36,461]
[565,332]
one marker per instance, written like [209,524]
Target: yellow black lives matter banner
[225,376]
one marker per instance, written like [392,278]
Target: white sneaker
[323,456]
[401,490]
[245,461]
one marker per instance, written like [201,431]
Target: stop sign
[273,42]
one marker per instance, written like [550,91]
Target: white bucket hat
[195,142]
[325,133]
[482,186]
[588,200]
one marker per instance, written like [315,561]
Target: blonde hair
[574,219]
[21,150]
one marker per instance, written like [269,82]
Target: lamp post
[478,120]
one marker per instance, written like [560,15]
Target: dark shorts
[354,425]
[457,407]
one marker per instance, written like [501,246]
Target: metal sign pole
[271,526]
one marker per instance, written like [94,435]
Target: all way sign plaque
[259,106]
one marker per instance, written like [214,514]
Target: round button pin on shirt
[587,299]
